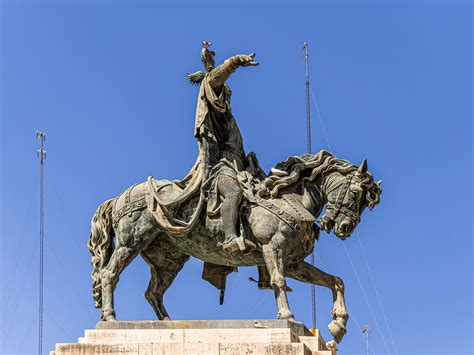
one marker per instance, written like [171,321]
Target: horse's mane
[308,167]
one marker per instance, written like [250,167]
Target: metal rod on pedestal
[42,156]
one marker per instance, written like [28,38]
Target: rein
[338,207]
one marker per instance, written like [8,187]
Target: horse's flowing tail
[101,246]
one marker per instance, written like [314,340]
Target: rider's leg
[230,189]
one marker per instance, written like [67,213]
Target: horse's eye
[355,190]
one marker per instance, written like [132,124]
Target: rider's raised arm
[219,75]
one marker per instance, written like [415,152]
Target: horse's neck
[310,197]
[326,184]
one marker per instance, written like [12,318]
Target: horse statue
[277,216]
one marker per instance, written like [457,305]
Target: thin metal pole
[367,342]
[309,149]
[42,156]
[366,330]
[308,111]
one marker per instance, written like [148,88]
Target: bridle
[337,208]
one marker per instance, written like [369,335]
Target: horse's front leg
[307,273]
[273,253]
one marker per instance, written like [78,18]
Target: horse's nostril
[345,226]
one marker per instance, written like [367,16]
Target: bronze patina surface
[229,213]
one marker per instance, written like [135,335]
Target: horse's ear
[379,182]
[363,167]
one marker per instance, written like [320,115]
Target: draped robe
[219,140]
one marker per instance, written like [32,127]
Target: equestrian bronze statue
[228,212]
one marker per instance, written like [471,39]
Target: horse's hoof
[337,330]
[331,345]
[108,316]
[286,314]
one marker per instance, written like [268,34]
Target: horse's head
[346,198]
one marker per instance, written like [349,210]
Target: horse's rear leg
[273,254]
[165,262]
[307,273]
[120,259]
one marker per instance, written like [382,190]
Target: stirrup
[239,243]
[234,244]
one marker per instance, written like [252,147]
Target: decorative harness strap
[128,206]
[340,199]
[288,219]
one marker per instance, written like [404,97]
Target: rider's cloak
[219,141]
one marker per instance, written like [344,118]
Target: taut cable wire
[377,294]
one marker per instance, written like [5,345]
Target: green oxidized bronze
[229,213]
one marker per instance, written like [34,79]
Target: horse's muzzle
[344,228]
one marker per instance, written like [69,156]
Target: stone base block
[197,337]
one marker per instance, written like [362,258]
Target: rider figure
[220,138]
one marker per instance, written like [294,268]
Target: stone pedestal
[192,337]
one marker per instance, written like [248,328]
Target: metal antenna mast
[309,148]
[365,331]
[42,156]
[308,112]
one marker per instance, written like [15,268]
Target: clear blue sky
[105,80]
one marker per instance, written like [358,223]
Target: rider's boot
[229,215]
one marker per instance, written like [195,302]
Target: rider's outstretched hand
[247,60]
